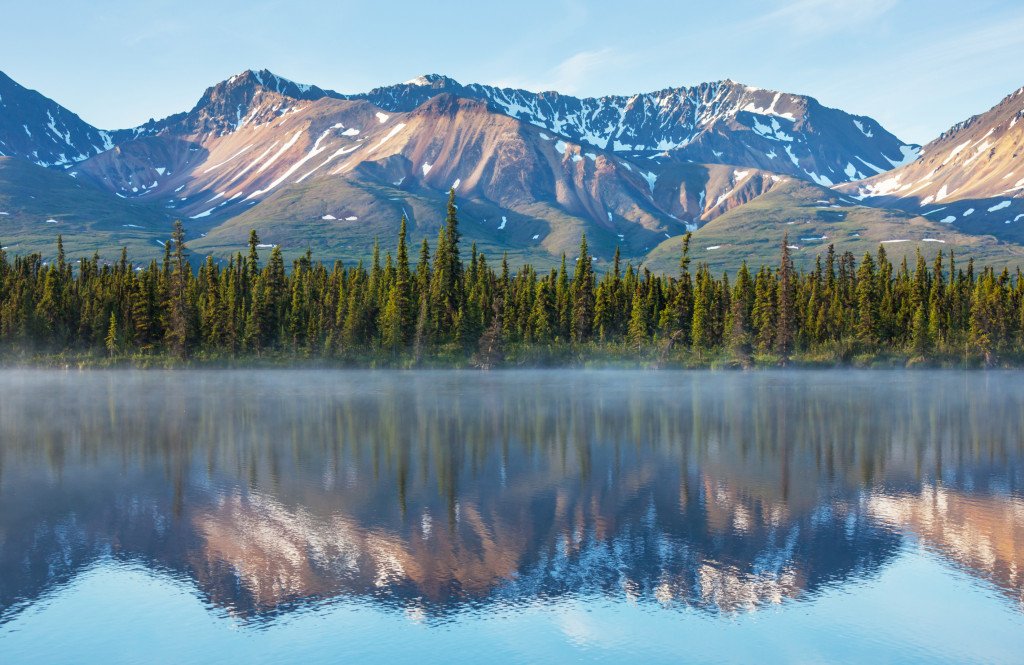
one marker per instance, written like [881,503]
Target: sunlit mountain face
[437,493]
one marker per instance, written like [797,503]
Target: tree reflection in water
[442,491]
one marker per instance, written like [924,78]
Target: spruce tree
[702,326]
[179,319]
[583,295]
[446,281]
[637,332]
[764,309]
[112,341]
[397,323]
[786,323]
[540,328]
[740,325]
[563,302]
[253,264]
[867,301]
[392,330]
[683,305]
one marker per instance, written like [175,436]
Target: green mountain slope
[815,217]
[37,204]
[340,219]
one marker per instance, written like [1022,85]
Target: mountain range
[312,168]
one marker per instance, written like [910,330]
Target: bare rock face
[971,176]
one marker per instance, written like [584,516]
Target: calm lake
[534,516]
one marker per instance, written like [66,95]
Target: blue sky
[917,66]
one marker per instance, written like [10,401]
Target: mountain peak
[222,106]
[430,80]
[268,80]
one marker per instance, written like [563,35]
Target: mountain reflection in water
[436,492]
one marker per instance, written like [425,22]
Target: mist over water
[269,515]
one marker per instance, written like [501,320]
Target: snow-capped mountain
[227,106]
[183,154]
[264,150]
[972,175]
[40,130]
[310,167]
[723,122]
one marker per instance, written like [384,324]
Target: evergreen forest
[441,310]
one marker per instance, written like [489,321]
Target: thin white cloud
[925,90]
[576,70]
[820,18]
[575,73]
[991,43]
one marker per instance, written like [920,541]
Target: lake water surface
[535,516]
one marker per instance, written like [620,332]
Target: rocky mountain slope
[972,176]
[38,129]
[723,122]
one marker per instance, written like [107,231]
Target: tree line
[446,309]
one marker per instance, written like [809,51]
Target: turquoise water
[511,517]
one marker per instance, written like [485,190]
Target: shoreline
[562,361]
